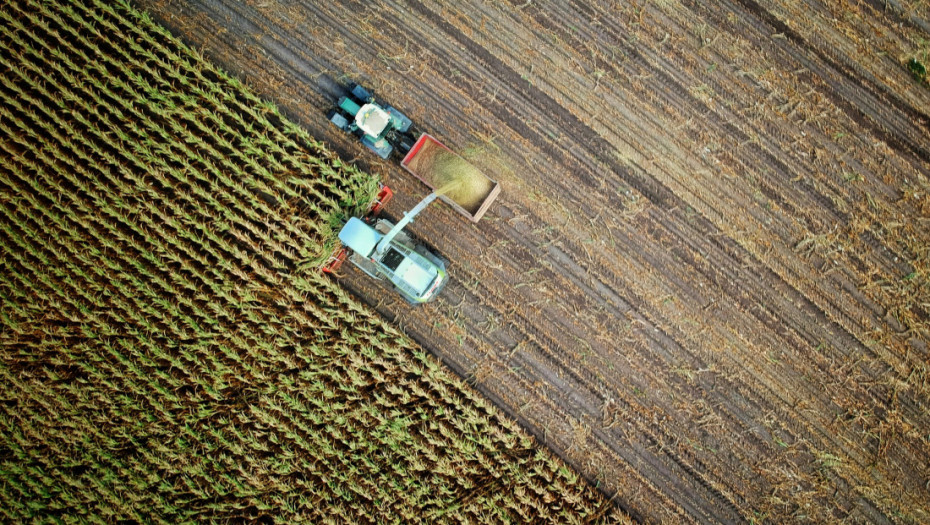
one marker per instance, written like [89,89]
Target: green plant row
[167,351]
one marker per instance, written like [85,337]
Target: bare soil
[705,282]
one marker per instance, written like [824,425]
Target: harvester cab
[381,128]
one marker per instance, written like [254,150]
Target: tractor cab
[380,128]
[372,120]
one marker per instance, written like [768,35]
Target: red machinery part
[335,260]
[384,195]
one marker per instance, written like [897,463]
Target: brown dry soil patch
[705,282]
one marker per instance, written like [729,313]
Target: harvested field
[705,282]
[169,351]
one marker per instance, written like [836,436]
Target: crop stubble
[705,281]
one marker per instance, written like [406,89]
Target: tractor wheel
[338,119]
[404,144]
[361,94]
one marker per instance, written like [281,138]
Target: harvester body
[384,251]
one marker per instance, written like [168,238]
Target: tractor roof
[372,119]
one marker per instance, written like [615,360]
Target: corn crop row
[167,352]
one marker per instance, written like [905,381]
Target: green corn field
[168,351]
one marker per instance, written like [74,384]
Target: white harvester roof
[360,237]
[418,277]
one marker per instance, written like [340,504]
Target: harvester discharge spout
[401,224]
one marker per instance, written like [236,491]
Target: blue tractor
[380,127]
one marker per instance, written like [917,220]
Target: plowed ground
[705,283]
